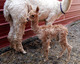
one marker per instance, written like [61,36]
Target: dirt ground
[34,55]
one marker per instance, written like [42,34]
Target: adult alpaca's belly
[43,15]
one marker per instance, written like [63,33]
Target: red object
[72,15]
[60,0]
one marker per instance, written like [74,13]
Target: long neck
[66,4]
[35,26]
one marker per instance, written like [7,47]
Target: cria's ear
[37,9]
[29,8]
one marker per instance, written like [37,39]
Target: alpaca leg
[63,49]
[19,47]
[63,44]
[66,45]
[51,18]
[18,34]
[46,52]
[10,36]
[13,45]
[69,51]
[46,49]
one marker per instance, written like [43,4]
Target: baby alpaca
[47,32]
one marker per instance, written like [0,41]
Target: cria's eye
[32,15]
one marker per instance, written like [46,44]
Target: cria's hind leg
[63,41]
[61,53]
[64,45]
[69,48]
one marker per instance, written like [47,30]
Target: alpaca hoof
[49,47]
[24,52]
[58,57]
[67,60]
[45,60]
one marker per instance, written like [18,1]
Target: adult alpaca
[15,12]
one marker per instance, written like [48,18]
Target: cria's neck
[35,26]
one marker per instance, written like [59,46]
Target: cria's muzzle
[27,19]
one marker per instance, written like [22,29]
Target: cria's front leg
[46,49]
